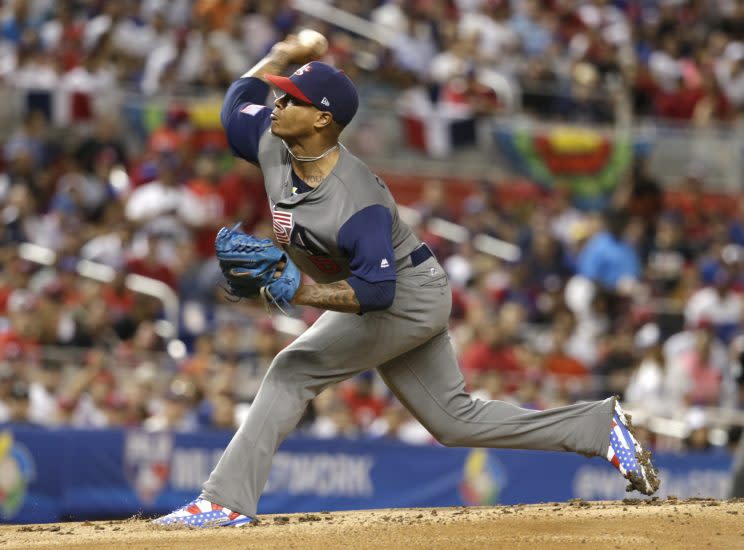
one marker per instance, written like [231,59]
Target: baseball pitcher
[386,297]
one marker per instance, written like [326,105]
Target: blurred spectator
[648,381]
[497,346]
[150,265]
[158,207]
[93,170]
[697,365]
[616,361]
[177,413]
[6,387]
[396,422]
[607,259]
[359,398]
[104,142]
[721,303]
[571,374]
[333,419]
[42,394]
[18,403]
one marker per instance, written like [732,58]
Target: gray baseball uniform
[323,230]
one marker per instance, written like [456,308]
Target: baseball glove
[250,264]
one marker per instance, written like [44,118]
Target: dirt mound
[670,523]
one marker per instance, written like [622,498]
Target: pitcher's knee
[291,365]
[451,437]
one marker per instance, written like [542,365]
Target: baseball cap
[324,87]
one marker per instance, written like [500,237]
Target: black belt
[421,254]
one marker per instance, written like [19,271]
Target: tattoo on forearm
[334,296]
[274,63]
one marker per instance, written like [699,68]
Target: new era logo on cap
[324,87]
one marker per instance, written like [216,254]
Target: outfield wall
[49,475]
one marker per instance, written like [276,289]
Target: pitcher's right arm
[244,114]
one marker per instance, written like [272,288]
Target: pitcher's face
[292,117]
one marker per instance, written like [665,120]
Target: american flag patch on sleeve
[252,109]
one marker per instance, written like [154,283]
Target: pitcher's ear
[323,120]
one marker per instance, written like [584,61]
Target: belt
[421,254]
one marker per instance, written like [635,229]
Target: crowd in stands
[565,59]
[641,300]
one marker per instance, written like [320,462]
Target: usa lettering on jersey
[282,224]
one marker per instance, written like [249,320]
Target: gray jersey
[308,224]
[342,229]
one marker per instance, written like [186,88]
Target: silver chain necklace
[309,159]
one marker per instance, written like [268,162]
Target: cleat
[627,455]
[202,513]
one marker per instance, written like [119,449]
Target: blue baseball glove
[250,264]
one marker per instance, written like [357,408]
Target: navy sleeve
[244,116]
[367,239]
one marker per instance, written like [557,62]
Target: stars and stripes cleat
[627,455]
[202,513]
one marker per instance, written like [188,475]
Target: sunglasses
[288,99]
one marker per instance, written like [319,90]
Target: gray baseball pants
[409,346]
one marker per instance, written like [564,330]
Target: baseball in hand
[313,41]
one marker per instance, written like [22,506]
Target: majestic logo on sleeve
[282,226]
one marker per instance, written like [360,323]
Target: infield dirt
[630,524]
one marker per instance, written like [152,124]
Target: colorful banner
[581,160]
[52,475]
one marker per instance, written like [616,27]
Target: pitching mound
[671,523]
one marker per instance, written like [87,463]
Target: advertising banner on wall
[52,475]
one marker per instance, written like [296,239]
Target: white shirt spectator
[36,74]
[87,414]
[155,64]
[459,270]
[414,52]
[391,15]
[665,69]
[109,249]
[411,431]
[494,36]
[159,209]
[708,304]
[233,47]
[729,71]
[447,65]
[152,200]
[177,12]
[43,407]
[647,387]
[610,19]
[260,33]
[193,60]
[678,383]
[8,58]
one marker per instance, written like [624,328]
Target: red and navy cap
[324,87]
